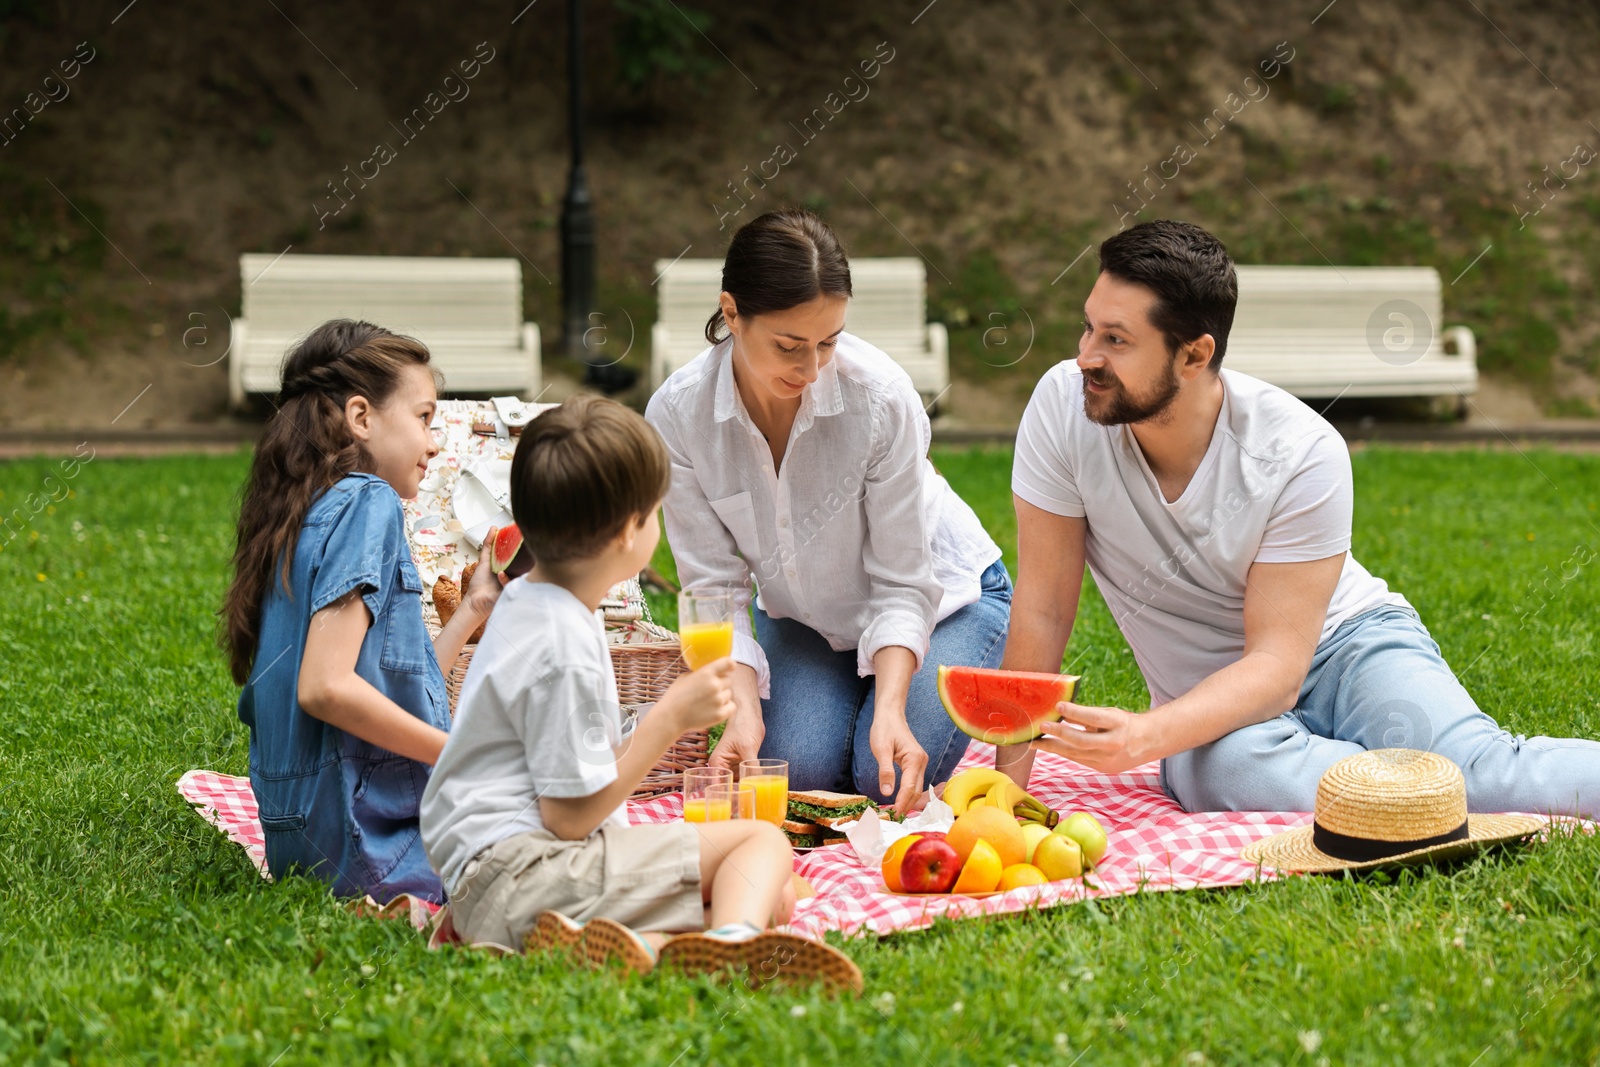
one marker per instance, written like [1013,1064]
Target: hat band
[1359,849]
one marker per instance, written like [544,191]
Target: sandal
[596,942]
[764,956]
[606,940]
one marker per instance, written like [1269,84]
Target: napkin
[871,835]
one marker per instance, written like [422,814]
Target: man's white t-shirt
[1274,487]
[538,717]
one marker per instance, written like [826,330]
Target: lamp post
[577,212]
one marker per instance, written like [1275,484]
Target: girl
[800,462]
[343,692]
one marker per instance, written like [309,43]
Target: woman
[799,458]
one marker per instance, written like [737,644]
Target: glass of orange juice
[770,780]
[741,799]
[702,800]
[738,799]
[705,626]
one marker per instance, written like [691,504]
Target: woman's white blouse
[857,536]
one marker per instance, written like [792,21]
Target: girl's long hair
[305,449]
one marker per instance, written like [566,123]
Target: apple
[1059,856]
[1086,830]
[1032,834]
[930,866]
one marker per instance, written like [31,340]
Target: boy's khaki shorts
[645,877]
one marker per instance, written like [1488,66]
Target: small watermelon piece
[1002,707]
[507,553]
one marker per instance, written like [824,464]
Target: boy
[523,816]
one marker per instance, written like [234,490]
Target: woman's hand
[893,745]
[746,729]
[480,594]
[740,741]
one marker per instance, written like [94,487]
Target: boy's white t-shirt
[538,717]
[1274,487]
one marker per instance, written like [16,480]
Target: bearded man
[1214,512]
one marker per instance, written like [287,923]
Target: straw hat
[1388,806]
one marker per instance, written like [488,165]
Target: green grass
[134,933]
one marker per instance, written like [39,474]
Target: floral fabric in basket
[439,543]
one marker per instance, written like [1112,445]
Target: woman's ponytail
[778,261]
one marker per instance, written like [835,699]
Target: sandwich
[827,809]
[808,834]
[815,815]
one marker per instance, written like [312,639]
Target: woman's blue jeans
[819,716]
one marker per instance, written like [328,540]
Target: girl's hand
[484,589]
[700,699]
[893,745]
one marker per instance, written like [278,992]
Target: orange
[981,873]
[891,862]
[997,827]
[1020,874]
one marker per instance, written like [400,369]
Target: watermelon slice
[1002,707]
[508,554]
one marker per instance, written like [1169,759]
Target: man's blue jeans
[1379,681]
[820,713]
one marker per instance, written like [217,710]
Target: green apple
[1032,834]
[1086,830]
[1059,856]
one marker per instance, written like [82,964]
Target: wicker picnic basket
[645,658]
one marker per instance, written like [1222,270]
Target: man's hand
[893,745]
[1050,555]
[700,699]
[1108,740]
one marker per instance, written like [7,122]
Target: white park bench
[889,310]
[1329,332]
[467,311]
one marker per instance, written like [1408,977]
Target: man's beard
[1119,406]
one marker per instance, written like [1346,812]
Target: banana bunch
[980,787]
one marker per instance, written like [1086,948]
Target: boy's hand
[700,699]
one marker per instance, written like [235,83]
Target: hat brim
[1293,850]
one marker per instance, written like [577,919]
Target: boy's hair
[1189,271]
[581,473]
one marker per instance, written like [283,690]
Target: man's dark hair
[1189,271]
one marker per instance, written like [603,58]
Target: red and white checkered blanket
[1153,846]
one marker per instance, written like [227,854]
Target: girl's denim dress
[340,808]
